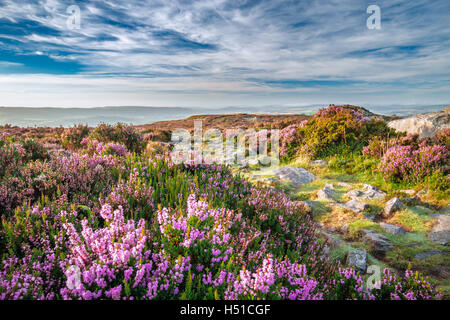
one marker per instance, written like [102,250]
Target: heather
[333,130]
[135,225]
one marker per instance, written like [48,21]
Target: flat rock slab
[378,242]
[296,176]
[353,205]
[440,233]
[426,254]
[369,192]
[392,229]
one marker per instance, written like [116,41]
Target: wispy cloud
[216,52]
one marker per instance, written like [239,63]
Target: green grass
[414,219]
[359,224]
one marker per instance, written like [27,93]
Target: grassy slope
[414,218]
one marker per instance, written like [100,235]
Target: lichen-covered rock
[296,176]
[393,205]
[440,233]
[390,228]
[357,258]
[425,125]
[378,242]
[353,205]
[327,193]
[369,192]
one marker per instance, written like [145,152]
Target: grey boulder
[357,258]
[393,205]
[353,205]
[296,176]
[440,233]
[379,243]
[390,228]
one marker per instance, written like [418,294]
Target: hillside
[352,197]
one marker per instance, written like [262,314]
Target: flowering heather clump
[375,148]
[11,157]
[405,163]
[411,287]
[115,262]
[134,196]
[288,140]
[120,133]
[198,232]
[71,137]
[104,149]
[443,138]
[331,131]
[105,223]
[265,282]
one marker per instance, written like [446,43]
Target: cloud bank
[223,53]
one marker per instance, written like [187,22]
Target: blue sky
[223,53]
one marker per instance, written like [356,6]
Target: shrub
[443,138]
[34,150]
[331,131]
[405,163]
[120,133]
[338,130]
[71,137]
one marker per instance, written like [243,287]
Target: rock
[270,181]
[343,184]
[319,163]
[413,244]
[332,241]
[425,125]
[393,205]
[378,242]
[310,203]
[426,254]
[354,193]
[296,176]
[446,209]
[422,192]
[410,201]
[408,192]
[344,228]
[440,233]
[390,228]
[369,192]
[358,259]
[326,193]
[353,205]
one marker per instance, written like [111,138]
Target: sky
[220,53]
